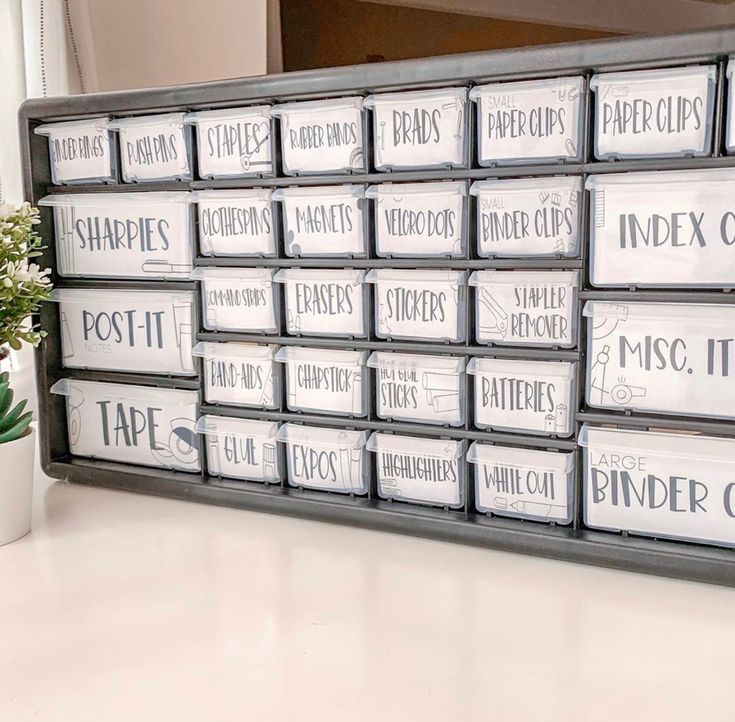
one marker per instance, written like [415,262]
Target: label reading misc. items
[424,389]
[137,331]
[323,302]
[422,129]
[241,448]
[420,219]
[667,358]
[528,217]
[425,471]
[654,112]
[660,484]
[236,223]
[323,221]
[132,424]
[153,147]
[532,396]
[665,228]
[418,305]
[534,308]
[524,483]
[241,299]
[323,136]
[233,142]
[79,151]
[122,235]
[530,120]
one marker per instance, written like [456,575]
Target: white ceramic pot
[16,487]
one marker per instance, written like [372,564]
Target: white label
[531,491]
[418,224]
[532,222]
[412,475]
[657,492]
[530,121]
[325,388]
[124,332]
[524,402]
[242,456]
[420,132]
[108,425]
[408,393]
[124,239]
[664,234]
[330,468]
[661,113]
[235,146]
[240,381]
[319,140]
[154,151]
[669,363]
[327,225]
[236,227]
[81,153]
[415,309]
[527,313]
[239,304]
[327,306]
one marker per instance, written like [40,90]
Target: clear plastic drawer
[322,136]
[239,299]
[528,216]
[236,222]
[122,235]
[133,424]
[420,129]
[420,219]
[526,308]
[240,374]
[530,121]
[325,458]
[420,305]
[661,484]
[418,470]
[241,448]
[234,142]
[120,330]
[154,147]
[654,113]
[80,151]
[419,388]
[325,302]
[324,220]
[325,381]
[523,483]
[535,397]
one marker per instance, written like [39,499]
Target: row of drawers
[659,113]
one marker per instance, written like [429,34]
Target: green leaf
[6,398]
[18,430]
[4,377]
[12,417]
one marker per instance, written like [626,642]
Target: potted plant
[23,285]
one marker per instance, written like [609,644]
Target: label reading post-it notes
[420,129]
[526,308]
[664,113]
[670,358]
[530,121]
[676,486]
[664,228]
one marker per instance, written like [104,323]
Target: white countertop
[132,608]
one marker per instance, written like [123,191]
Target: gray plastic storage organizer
[621,457]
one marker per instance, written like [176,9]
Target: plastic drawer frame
[572,543]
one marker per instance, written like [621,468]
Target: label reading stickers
[133,424]
[530,121]
[670,358]
[663,113]
[671,485]
[664,228]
